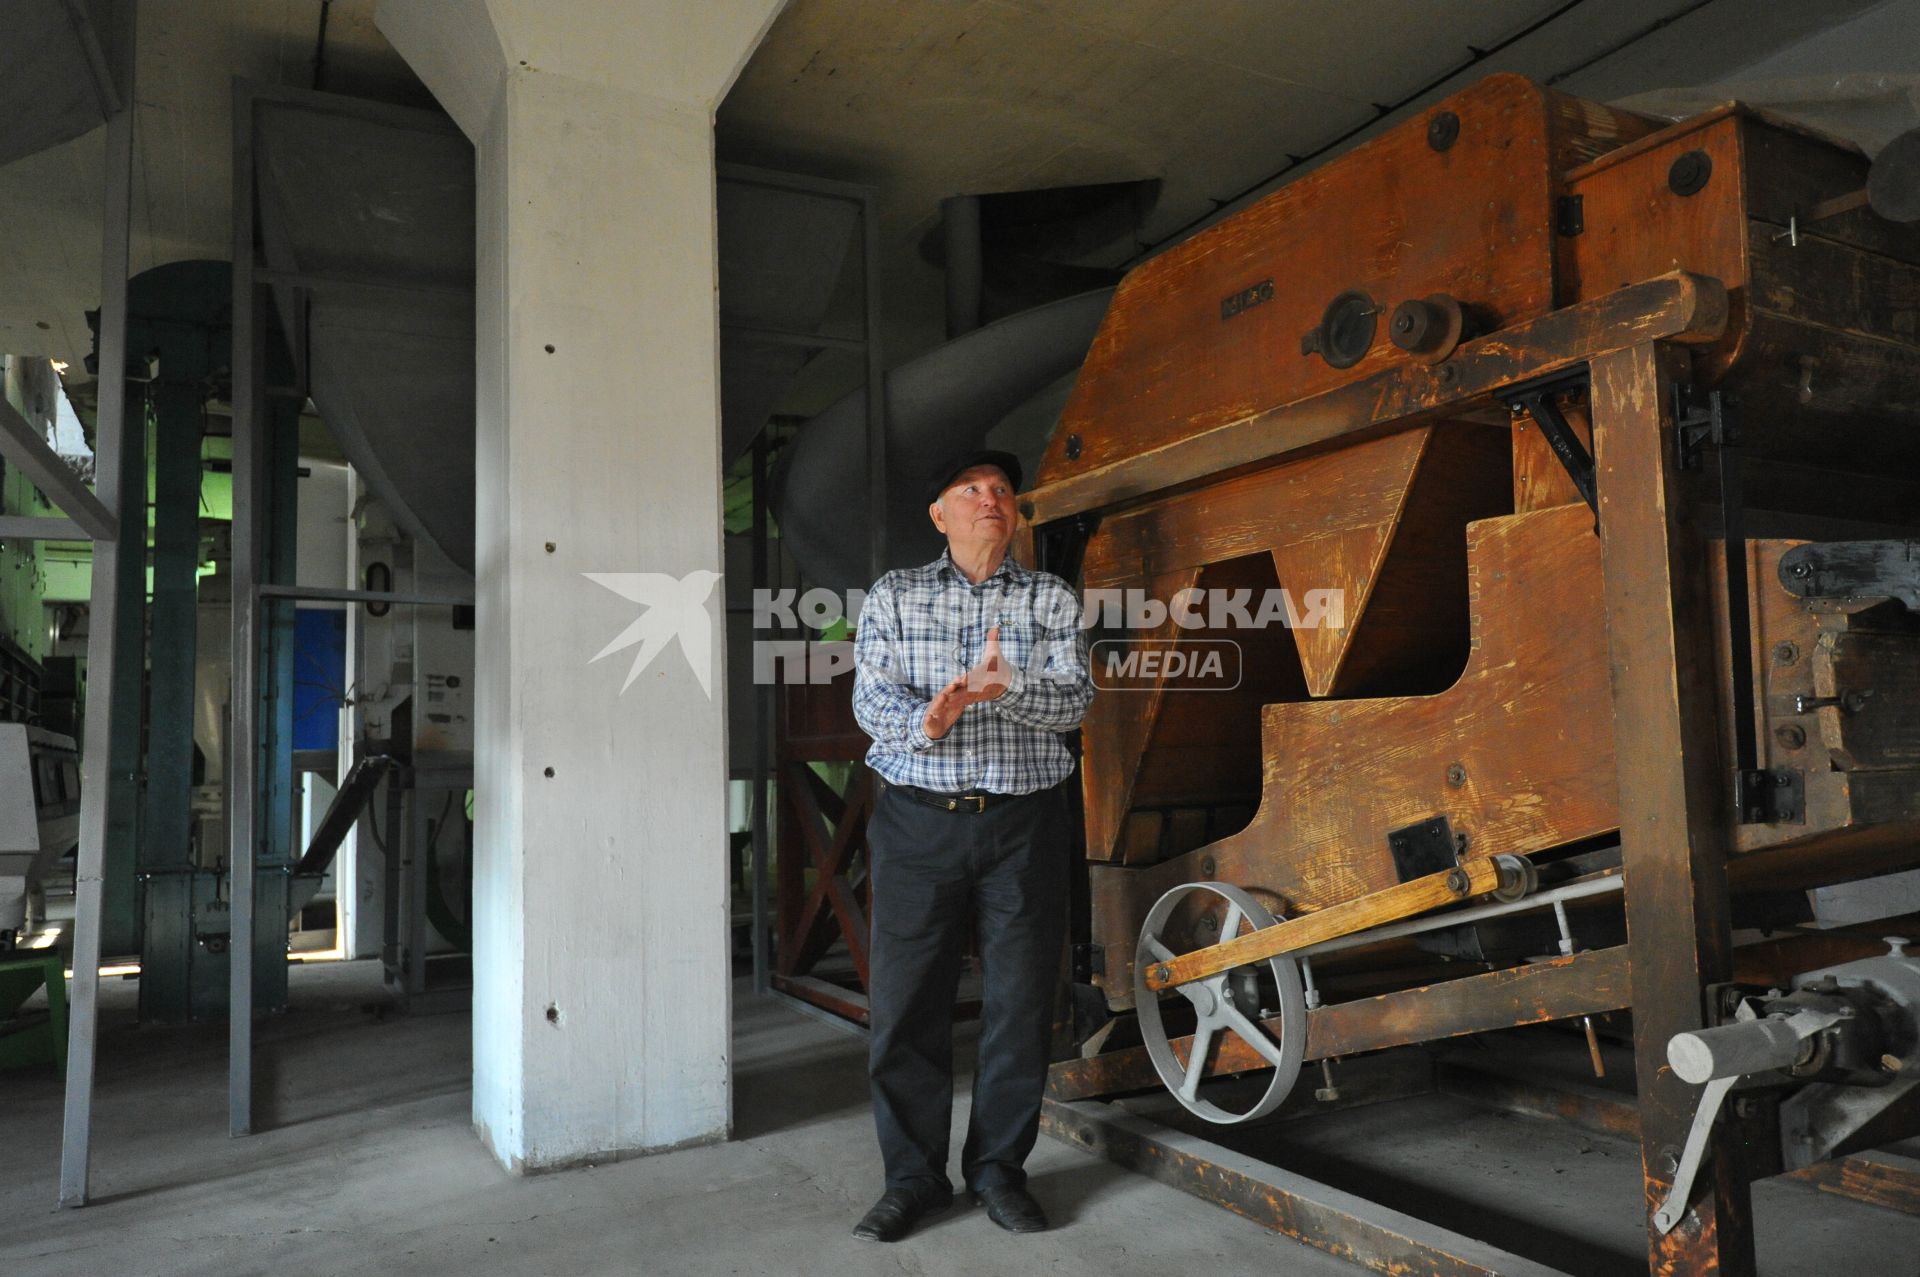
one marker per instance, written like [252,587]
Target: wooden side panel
[1397,219]
[1117,726]
[1637,226]
[1584,131]
[1525,727]
[1414,634]
[1533,768]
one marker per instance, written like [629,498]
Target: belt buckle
[979,801]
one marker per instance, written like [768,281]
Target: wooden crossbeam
[1678,307]
[1338,1222]
[1584,984]
[1451,886]
[829,852]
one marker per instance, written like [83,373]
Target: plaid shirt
[920,628]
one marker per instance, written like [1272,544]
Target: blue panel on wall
[319,676]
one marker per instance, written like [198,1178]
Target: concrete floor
[370,1166]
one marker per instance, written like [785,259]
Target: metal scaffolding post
[106,502]
[869,347]
[243,773]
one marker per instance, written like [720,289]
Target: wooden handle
[1469,878]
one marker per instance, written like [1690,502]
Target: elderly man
[967,668]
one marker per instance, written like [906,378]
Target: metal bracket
[1698,422]
[1536,399]
[1570,215]
[1429,847]
[1777,797]
[1760,796]
[1846,570]
[1089,960]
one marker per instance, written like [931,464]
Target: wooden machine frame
[1654,320]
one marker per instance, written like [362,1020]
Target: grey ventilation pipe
[960,221]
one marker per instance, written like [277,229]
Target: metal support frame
[84,1001]
[328,594]
[762,737]
[868,344]
[243,769]
[252,420]
[1536,399]
[40,463]
[26,527]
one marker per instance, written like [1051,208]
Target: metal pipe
[1479,913]
[762,728]
[89,872]
[244,676]
[876,395]
[960,227]
[322,593]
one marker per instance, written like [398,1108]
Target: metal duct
[55,82]
[387,199]
[781,254]
[937,405]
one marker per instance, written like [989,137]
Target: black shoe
[897,1211]
[1013,1208]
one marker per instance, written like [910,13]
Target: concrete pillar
[601,993]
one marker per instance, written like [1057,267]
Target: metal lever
[1721,1058]
[1845,702]
[1675,1204]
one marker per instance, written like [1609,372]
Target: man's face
[977,508]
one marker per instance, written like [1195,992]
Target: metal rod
[762,735]
[324,281]
[26,448]
[22,527]
[327,594]
[243,776]
[786,337]
[104,90]
[1566,928]
[876,395]
[1433,922]
[419,849]
[83,1004]
[779,180]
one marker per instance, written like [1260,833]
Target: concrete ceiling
[921,98]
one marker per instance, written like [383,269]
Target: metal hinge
[1570,215]
[1698,421]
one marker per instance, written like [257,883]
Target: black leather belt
[973,802]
